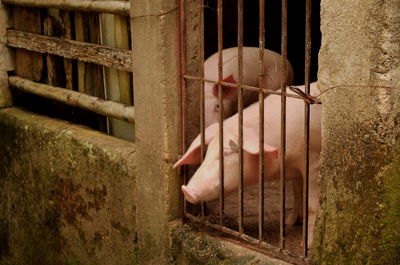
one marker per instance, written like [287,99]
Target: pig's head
[212,106]
[205,183]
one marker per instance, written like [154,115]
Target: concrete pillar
[6,58]
[359,218]
[155,49]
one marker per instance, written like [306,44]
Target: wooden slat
[108,108]
[55,71]
[28,64]
[92,53]
[112,7]
[67,34]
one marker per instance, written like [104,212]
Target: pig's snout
[189,194]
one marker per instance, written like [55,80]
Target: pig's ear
[252,146]
[191,157]
[193,154]
[227,91]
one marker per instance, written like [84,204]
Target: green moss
[72,261]
[360,224]
[390,243]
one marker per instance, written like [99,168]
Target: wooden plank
[28,64]
[77,99]
[125,79]
[113,7]
[115,32]
[95,72]
[86,52]
[95,78]
[67,34]
[80,36]
[55,69]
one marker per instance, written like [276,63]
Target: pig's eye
[216,108]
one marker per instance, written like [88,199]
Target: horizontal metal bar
[251,88]
[120,59]
[108,108]
[112,7]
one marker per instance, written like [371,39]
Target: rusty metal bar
[261,37]
[182,65]
[221,113]
[315,100]
[107,108]
[282,227]
[240,113]
[307,126]
[112,7]
[202,99]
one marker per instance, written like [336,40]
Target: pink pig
[251,57]
[204,185]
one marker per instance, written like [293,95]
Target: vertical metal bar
[182,46]
[261,119]
[221,114]
[202,99]
[282,228]
[307,125]
[240,112]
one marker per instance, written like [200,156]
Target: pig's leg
[296,213]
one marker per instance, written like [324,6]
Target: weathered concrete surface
[155,49]
[359,218]
[191,247]
[67,193]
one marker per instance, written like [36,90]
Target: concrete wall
[67,193]
[359,218]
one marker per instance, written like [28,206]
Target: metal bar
[221,112]
[282,227]
[202,99]
[108,108]
[307,126]
[120,59]
[240,113]
[256,89]
[182,67]
[112,7]
[261,119]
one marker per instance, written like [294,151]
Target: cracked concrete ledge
[193,247]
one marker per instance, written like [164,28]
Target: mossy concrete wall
[67,193]
[359,218]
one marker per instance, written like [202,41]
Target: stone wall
[67,193]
